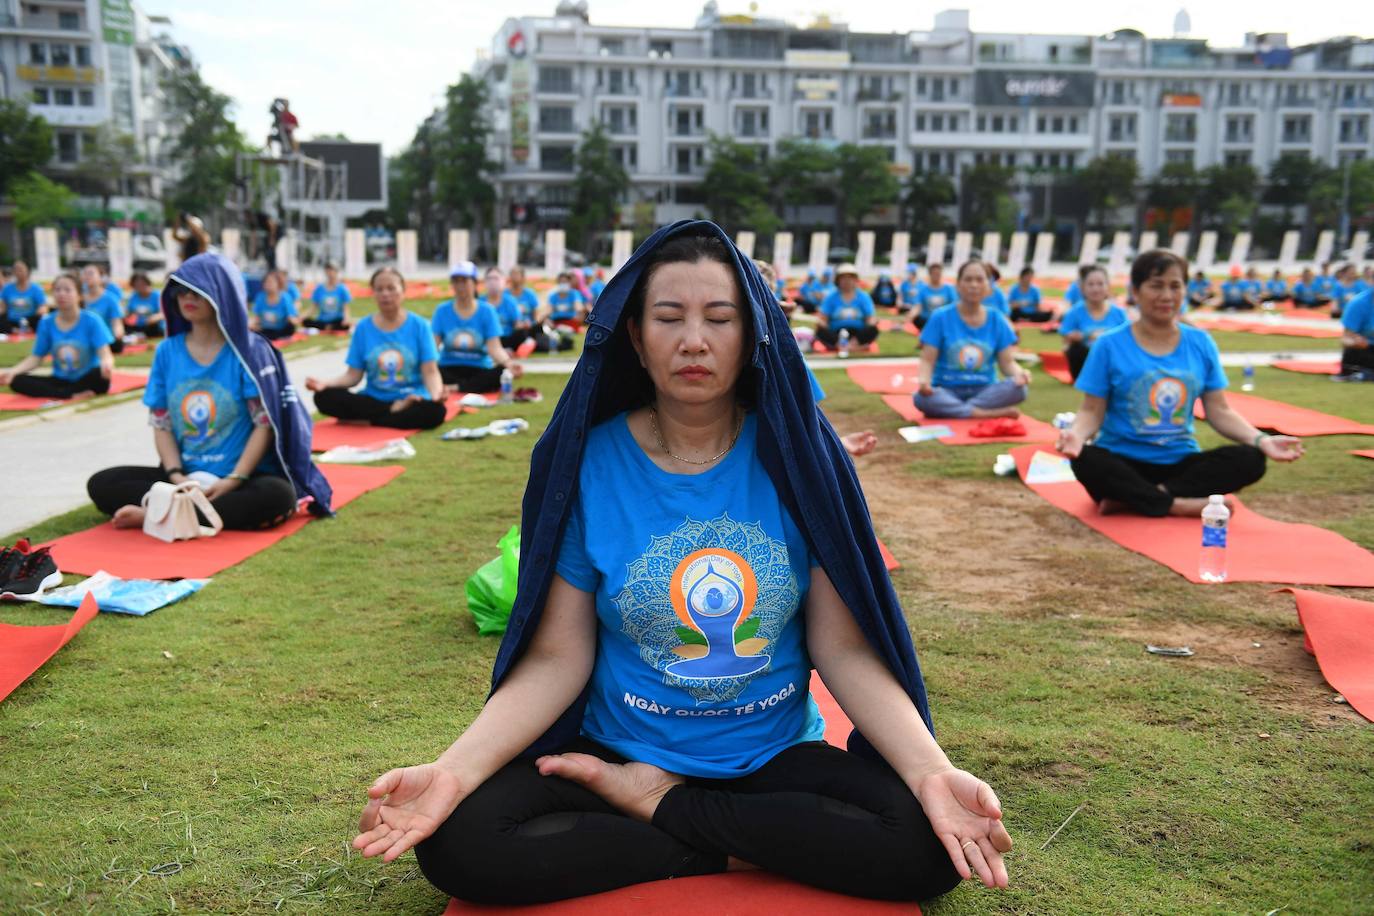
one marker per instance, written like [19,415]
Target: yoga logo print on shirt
[1160,403]
[68,358]
[205,410]
[969,356]
[462,340]
[704,602]
[391,362]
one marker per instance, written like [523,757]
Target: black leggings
[1352,360]
[1077,354]
[1107,475]
[346,405]
[1038,316]
[862,336]
[337,325]
[47,386]
[152,330]
[814,813]
[277,333]
[263,501]
[471,378]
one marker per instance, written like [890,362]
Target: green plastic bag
[491,590]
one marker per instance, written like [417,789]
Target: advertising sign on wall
[1032,87]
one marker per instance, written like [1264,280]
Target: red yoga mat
[1308,368]
[1366,453]
[130,554]
[1056,365]
[330,433]
[888,559]
[744,893]
[23,650]
[1264,327]
[1340,633]
[1036,430]
[1260,549]
[820,349]
[888,378]
[120,382]
[1289,420]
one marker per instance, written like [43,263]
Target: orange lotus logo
[713,591]
[970,357]
[390,364]
[1167,396]
[198,413]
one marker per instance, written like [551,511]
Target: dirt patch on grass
[996,548]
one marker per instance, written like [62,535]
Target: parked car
[533,256]
[147,250]
[840,255]
[1104,254]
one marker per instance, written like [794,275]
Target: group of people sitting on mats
[1244,291]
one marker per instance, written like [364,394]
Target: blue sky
[373,70]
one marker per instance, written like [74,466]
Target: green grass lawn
[234,734]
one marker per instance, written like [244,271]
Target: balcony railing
[622,89]
[620,128]
[752,132]
[679,91]
[877,95]
[686,130]
[754,93]
[880,133]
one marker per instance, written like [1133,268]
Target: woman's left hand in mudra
[967,817]
[1282,448]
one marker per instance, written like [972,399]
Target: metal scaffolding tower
[298,191]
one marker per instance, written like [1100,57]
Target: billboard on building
[519,96]
[117,21]
[366,168]
[1032,87]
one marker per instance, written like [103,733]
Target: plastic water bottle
[507,386]
[844,344]
[1215,519]
[1248,377]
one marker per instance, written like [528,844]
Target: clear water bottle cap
[1217,500]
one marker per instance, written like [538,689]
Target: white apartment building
[939,99]
[83,64]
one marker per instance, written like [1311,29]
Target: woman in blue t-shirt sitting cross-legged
[687,600]
[1139,385]
[1090,319]
[77,339]
[394,350]
[468,334]
[847,308]
[962,347]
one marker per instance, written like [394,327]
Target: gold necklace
[658,436]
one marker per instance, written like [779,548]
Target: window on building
[1012,125]
[83,55]
[937,122]
[953,88]
[38,53]
[555,79]
[1057,125]
[85,98]
[1073,124]
[998,124]
[68,146]
[1237,157]
[920,122]
[1121,128]
[937,90]
[1355,129]
[556,119]
[1179,155]
[879,125]
[619,119]
[1118,92]
[41,95]
[63,97]
[1128,154]
[661,48]
[61,55]
[818,124]
[920,85]
[1297,128]
[1042,125]
[556,157]
[1180,128]
[626,156]
[68,21]
[1240,128]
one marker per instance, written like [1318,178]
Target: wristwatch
[176,470]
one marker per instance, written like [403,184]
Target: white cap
[1217,499]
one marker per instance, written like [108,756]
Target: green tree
[801,172]
[863,183]
[462,170]
[926,193]
[1324,203]
[39,201]
[1228,196]
[410,180]
[205,148]
[986,197]
[1290,184]
[598,186]
[25,143]
[107,160]
[1107,184]
[736,187]
[1174,188]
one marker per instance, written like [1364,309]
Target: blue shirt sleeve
[933,334]
[1216,375]
[491,327]
[345,296]
[428,352]
[1003,335]
[866,303]
[42,344]
[98,335]
[357,352]
[39,297]
[290,308]
[1070,322]
[574,565]
[1359,314]
[1095,378]
[155,395]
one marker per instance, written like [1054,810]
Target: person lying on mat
[1139,385]
[219,417]
[394,350]
[847,308]
[78,341]
[1357,338]
[274,312]
[22,302]
[962,347]
[651,716]
[104,300]
[468,332]
[330,300]
[1090,319]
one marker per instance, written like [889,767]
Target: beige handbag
[169,512]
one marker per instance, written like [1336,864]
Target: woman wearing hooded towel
[695,539]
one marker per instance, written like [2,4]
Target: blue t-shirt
[817,392]
[852,314]
[811,291]
[968,356]
[208,406]
[139,309]
[1324,285]
[1199,288]
[529,303]
[1358,315]
[74,351]
[595,289]
[507,311]
[910,292]
[998,300]
[1233,292]
[330,301]
[292,292]
[1305,292]
[701,661]
[22,304]
[1027,299]
[1079,318]
[272,316]
[1150,398]
[563,306]
[114,289]
[108,307]
[1276,288]
[1255,288]
[392,359]
[1073,295]
[930,298]
[464,340]
[1346,292]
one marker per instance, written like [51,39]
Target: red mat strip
[1308,368]
[1056,365]
[1366,453]
[120,382]
[888,559]
[1288,419]
[130,554]
[1260,549]
[1264,327]
[1036,430]
[1340,632]
[23,650]
[888,378]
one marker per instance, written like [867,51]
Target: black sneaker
[11,558]
[37,572]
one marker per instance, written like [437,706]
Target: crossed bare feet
[985,413]
[634,789]
[1193,505]
[128,517]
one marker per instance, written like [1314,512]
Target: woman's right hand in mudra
[405,806]
[313,384]
[1070,443]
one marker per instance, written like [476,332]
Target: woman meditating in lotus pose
[1139,385]
[695,539]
